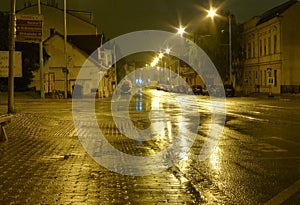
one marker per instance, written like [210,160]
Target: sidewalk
[43,162]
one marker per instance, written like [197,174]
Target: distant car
[126,87]
[213,90]
[197,89]
[229,90]
[179,89]
[204,91]
[161,87]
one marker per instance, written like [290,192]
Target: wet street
[48,160]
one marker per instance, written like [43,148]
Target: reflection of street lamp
[212,13]
[168,52]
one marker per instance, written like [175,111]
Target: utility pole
[116,72]
[11,103]
[41,59]
[65,70]
[230,51]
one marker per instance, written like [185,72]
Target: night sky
[116,17]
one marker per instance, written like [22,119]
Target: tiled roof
[87,43]
[276,11]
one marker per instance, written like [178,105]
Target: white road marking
[285,194]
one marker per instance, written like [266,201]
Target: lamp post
[168,50]
[230,50]
[11,98]
[212,13]
[181,31]
[42,89]
[65,51]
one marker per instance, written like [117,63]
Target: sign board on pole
[269,70]
[29,28]
[4,64]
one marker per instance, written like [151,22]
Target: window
[275,77]
[249,50]
[260,47]
[269,46]
[275,43]
[260,77]
[265,47]
[253,48]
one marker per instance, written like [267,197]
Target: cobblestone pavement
[43,162]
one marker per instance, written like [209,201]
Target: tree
[4,26]
[4,43]
[213,38]
[30,63]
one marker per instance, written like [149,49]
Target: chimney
[52,32]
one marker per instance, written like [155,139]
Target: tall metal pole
[230,51]
[41,60]
[116,72]
[178,71]
[11,103]
[65,49]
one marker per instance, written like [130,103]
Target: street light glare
[154,62]
[168,51]
[180,30]
[161,55]
[212,13]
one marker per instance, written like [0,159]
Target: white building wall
[77,60]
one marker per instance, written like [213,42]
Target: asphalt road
[256,160]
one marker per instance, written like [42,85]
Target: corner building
[271,47]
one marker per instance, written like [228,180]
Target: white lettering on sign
[4,64]
[29,28]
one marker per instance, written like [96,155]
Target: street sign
[29,28]
[269,70]
[4,64]
[65,70]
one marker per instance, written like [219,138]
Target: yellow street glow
[180,30]
[211,13]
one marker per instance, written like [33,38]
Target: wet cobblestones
[43,162]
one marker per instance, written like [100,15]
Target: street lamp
[161,55]
[181,30]
[212,13]
[168,51]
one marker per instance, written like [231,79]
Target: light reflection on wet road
[256,159]
[257,156]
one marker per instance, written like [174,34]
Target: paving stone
[43,162]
